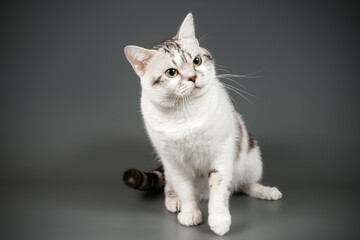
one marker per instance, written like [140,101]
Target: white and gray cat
[202,142]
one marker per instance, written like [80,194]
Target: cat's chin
[195,90]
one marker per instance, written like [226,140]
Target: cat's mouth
[189,89]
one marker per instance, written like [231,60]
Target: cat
[202,142]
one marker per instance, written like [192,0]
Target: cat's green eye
[171,72]
[197,61]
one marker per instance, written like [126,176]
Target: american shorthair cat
[202,142]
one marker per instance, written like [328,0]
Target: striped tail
[145,181]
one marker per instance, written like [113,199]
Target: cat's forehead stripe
[178,58]
[169,46]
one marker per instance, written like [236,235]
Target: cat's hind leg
[247,174]
[259,191]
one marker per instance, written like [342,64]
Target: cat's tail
[145,181]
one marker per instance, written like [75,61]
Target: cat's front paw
[172,203]
[220,223]
[190,218]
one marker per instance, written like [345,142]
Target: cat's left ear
[187,29]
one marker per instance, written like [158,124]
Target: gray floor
[91,206]
[111,212]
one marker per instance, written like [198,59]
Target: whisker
[183,106]
[241,90]
[187,104]
[238,93]
[176,103]
[232,99]
[216,64]
[202,38]
[237,76]
[222,69]
[186,109]
[249,75]
[190,102]
[178,106]
[232,80]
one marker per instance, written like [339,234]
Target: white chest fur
[193,137]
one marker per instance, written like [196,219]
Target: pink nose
[193,78]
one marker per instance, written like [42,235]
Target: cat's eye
[171,72]
[197,61]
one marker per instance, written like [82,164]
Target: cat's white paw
[275,194]
[190,218]
[263,192]
[270,193]
[172,203]
[220,223]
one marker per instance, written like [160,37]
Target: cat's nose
[193,78]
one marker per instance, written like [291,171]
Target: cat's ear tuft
[187,29]
[138,57]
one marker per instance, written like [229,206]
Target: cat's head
[177,68]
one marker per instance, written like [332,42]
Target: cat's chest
[186,142]
[184,138]
[184,132]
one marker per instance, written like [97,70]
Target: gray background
[70,120]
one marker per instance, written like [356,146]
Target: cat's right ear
[138,57]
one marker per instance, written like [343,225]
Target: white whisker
[222,69]
[202,38]
[216,64]
[232,80]
[238,89]
[226,86]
